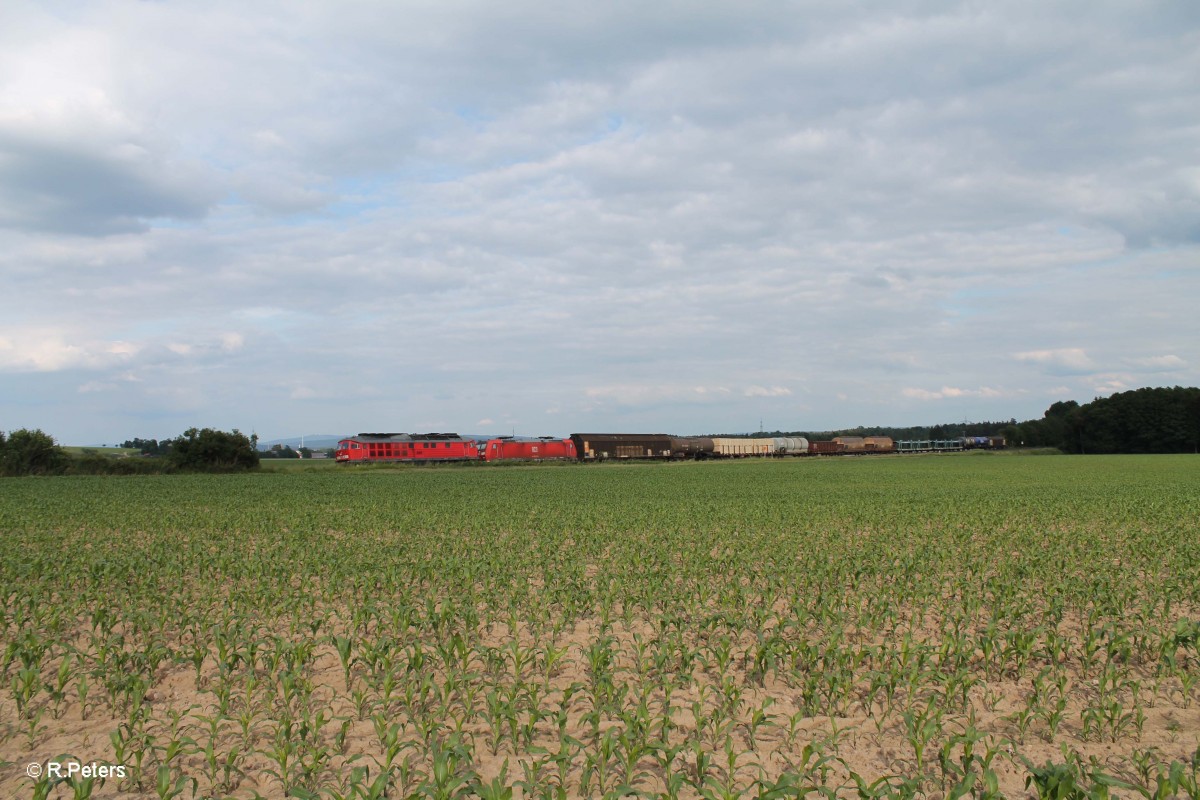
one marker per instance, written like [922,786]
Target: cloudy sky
[548,217]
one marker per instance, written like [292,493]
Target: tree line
[1162,420]
[153,447]
[34,452]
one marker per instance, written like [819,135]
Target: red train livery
[544,449]
[420,448]
[427,448]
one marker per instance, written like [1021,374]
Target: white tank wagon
[789,446]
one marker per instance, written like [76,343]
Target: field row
[929,626]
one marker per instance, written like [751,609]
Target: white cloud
[307,392]
[1164,363]
[951,392]
[52,350]
[644,227]
[1108,383]
[764,391]
[1072,358]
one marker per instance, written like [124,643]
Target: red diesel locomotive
[419,447]
[428,448]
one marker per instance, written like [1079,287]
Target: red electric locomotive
[419,448]
[547,448]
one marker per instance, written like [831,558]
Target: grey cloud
[65,188]
[469,211]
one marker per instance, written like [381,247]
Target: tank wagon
[789,446]
[850,444]
[692,447]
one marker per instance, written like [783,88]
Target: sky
[301,218]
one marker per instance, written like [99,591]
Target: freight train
[431,448]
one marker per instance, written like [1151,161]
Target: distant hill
[316,441]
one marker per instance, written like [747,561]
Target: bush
[30,452]
[208,450]
[93,463]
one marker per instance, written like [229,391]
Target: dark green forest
[1164,420]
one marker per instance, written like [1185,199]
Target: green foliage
[1160,420]
[208,450]
[1073,780]
[90,462]
[148,447]
[722,629]
[30,452]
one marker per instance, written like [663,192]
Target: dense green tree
[148,447]
[1149,420]
[30,452]
[1162,420]
[208,450]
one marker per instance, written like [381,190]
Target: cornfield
[897,627]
